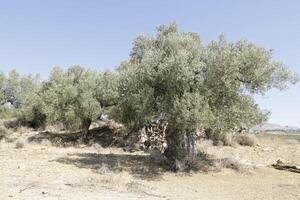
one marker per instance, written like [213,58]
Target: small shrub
[205,162]
[104,169]
[246,140]
[204,144]
[229,140]
[22,129]
[157,157]
[11,123]
[220,139]
[54,128]
[19,145]
[3,133]
[237,164]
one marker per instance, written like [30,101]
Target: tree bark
[85,126]
[181,151]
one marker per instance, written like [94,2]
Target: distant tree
[2,96]
[13,88]
[20,92]
[16,87]
[195,87]
[31,110]
[70,98]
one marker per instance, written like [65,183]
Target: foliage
[194,87]
[20,99]
[16,87]
[2,96]
[70,97]
[234,73]
[73,97]
[32,113]
[107,90]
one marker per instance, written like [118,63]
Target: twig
[26,188]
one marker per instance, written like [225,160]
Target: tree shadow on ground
[103,135]
[140,166]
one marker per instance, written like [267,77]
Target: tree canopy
[195,86]
[2,96]
[70,97]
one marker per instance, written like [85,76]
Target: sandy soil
[42,171]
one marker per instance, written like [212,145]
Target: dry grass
[222,139]
[92,172]
[23,129]
[211,158]
[210,163]
[54,127]
[20,144]
[230,139]
[122,181]
[11,123]
[3,132]
[292,141]
[237,164]
[157,157]
[246,140]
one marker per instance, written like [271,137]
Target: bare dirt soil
[30,170]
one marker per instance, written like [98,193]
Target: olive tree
[20,91]
[31,111]
[194,86]
[15,87]
[70,97]
[2,96]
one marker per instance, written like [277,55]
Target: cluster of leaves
[70,97]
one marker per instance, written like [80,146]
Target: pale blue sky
[37,35]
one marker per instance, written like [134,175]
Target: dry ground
[42,171]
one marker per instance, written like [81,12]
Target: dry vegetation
[229,139]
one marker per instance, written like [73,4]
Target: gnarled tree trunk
[85,125]
[181,150]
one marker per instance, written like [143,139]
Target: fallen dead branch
[26,188]
[286,166]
